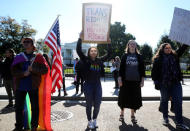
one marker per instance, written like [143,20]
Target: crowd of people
[22,74]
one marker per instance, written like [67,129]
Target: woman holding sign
[131,79]
[166,74]
[91,70]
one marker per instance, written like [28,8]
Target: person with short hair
[27,69]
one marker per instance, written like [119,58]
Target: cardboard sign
[96,22]
[180,27]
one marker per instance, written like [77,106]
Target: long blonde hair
[127,47]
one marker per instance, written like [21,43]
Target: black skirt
[130,95]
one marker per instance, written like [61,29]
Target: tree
[41,46]
[146,52]
[119,40]
[11,33]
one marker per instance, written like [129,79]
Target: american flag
[52,40]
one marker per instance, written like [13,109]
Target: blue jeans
[93,96]
[175,91]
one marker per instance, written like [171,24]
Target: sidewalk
[149,119]
[109,93]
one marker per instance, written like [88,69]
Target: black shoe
[133,120]
[121,118]
[9,106]
[65,94]
[17,129]
[165,122]
[182,127]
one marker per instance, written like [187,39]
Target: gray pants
[9,89]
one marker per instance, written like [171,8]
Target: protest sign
[180,27]
[96,22]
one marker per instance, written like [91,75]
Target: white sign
[96,22]
[180,27]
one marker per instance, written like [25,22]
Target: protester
[27,70]
[79,76]
[74,71]
[92,69]
[166,74]
[64,87]
[116,64]
[1,71]
[7,76]
[131,79]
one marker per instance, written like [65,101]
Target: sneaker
[182,127]
[90,124]
[95,123]
[133,120]
[121,118]
[165,122]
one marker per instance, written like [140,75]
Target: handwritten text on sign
[96,22]
[180,28]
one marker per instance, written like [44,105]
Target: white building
[69,53]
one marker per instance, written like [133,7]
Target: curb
[79,98]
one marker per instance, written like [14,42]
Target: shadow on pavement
[69,103]
[135,127]
[7,110]
[185,119]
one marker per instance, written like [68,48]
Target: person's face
[28,46]
[7,54]
[132,46]
[93,53]
[167,49]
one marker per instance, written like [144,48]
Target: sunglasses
[27,41]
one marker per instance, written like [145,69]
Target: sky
[147,20]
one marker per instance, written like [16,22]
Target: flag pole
[51,27]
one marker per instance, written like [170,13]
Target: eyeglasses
[27,41]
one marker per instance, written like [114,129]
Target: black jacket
[156,72]
[85,68]
[141,66]
[6,69]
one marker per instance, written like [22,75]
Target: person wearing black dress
[131,79]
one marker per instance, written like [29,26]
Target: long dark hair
[12,52]
[90,49]
[160,51]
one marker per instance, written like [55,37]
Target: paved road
[149,119]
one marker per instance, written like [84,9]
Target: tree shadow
[70,87]
[69,103]
[116,92]
[134,127]
[7,110]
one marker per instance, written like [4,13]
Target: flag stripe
[53,42]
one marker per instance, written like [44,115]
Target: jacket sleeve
[181,50]
[40,65]
[122,66]
[107,55]
[79,50]
[154,70]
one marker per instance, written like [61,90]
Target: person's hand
[81,35]
[30,68]
[142,84]
[120,82]
[26,73]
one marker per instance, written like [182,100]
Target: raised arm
[181,50]
[107,55]
[79,50]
